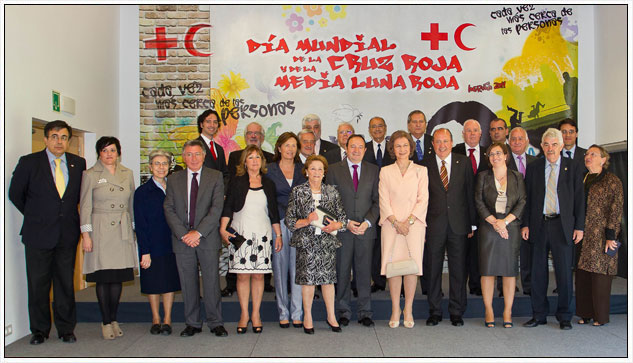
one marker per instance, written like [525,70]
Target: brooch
[102,181]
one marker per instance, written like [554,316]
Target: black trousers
[379,280]
[526,266]
[593,295]
[472,262]
[454,245]
[551,237]
[44,266]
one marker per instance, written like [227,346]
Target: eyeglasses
[158,163]
[378,126]
[568,132]
[345,132]
[56,137]
[253,133]
[193,154]
[496,153]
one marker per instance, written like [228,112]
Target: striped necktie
[444,175]
[550,194]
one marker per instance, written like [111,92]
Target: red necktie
[355,177]
[215,157]
[472,160]
[444,175]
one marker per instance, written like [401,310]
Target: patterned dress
[252,222]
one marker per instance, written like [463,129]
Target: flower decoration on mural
[294,23]
[323,22]
[336,11]
[225,107]
[313,10]
[232,85]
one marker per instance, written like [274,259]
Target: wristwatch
[411,220]
[506,222]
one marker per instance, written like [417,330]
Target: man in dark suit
[45,189]
[569,129]
[357,183]
[450,220]
[498,130]
[377,154]
[343,132]
[208,126]
[416,124]
[253,135]
[307,140]
[479,162]
[519,160]
[193,204]
[313,122]
[553,220]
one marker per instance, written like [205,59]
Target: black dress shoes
[533,323]
[375,288]
[433,320]
[38,338]
[297,325]
[457,320]
[269,288]
[366,321]
[190,331]
[336,329]
[155,329]
[68,338]
[226,292]
[308,330]
[475,291]
[165,329]
[565,325]
[219,331]
[343,321]
[284,325]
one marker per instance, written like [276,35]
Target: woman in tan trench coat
[106,210]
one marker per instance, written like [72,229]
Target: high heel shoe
[242,330]
[336,329]
[408,323]
[117,329]
[395,323]
[106,330]
[258,329]
[308,330]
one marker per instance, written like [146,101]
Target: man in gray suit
[357,183]
[194,201]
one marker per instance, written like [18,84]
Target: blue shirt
[63,165]
[548,170]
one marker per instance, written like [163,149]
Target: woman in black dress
[159,274]
[500,198]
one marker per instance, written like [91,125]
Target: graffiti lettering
[337,44]
[500,85]
[279,108]
[198,103]
[480,88]
[530,25]
[295,82]
[190,88]
[168,104]
[429,82]
[361,64]
[497,14]
[268,46]
[524,8]
[426,63]
[385,82]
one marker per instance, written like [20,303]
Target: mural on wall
[275,63]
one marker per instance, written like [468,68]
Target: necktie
[473,161]
[444,175]
[193,196]
[568,153]
[355,177]
[550,195]
[60,182]
[521,166]
[418,150]
[344,155]
[379,156]
[215,157]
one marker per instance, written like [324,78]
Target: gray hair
[261,128]
[194,142]
[309,117]
[473,120]
[552,132]
[164,153]
[305,131]
[521,129]
[345,123]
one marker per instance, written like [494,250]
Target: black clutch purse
[237,240]
[611,252]
[323,221]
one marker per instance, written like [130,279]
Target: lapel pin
[565,168]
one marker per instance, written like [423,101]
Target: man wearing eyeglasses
[253,135]
[569,129]
[45,189]
[343,132]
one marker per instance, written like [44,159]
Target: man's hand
[362,228]
[525,233]
[577,236]
[192,238]
[352,226]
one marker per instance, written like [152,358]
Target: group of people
[313,213]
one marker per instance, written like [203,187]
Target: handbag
[237,240]
[611,252]
[403,267]
[323,214]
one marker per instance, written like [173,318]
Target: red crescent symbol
[191,33]
[458,36]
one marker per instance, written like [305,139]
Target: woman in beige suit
[107,193]
[404,197]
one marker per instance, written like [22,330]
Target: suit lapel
[454,166]
[46,168]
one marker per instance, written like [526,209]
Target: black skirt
[111,275]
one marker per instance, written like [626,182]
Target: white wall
[72,49]
[610,60]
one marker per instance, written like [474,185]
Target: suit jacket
[234,160]
[454,207]
[301,203]
[152,232]
[281,184]
[370,155]
[326,146]
[220,163]
[483,156]
[571,198]
[428,149]
[333,155]
[236,197]
[486,195]
[48,219]
[579,157]
[209,205]
[361,204]
[512,165]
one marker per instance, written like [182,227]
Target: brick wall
[168,118]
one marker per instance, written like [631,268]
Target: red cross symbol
[434,36]
[160,43]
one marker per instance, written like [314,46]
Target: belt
[549,217]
